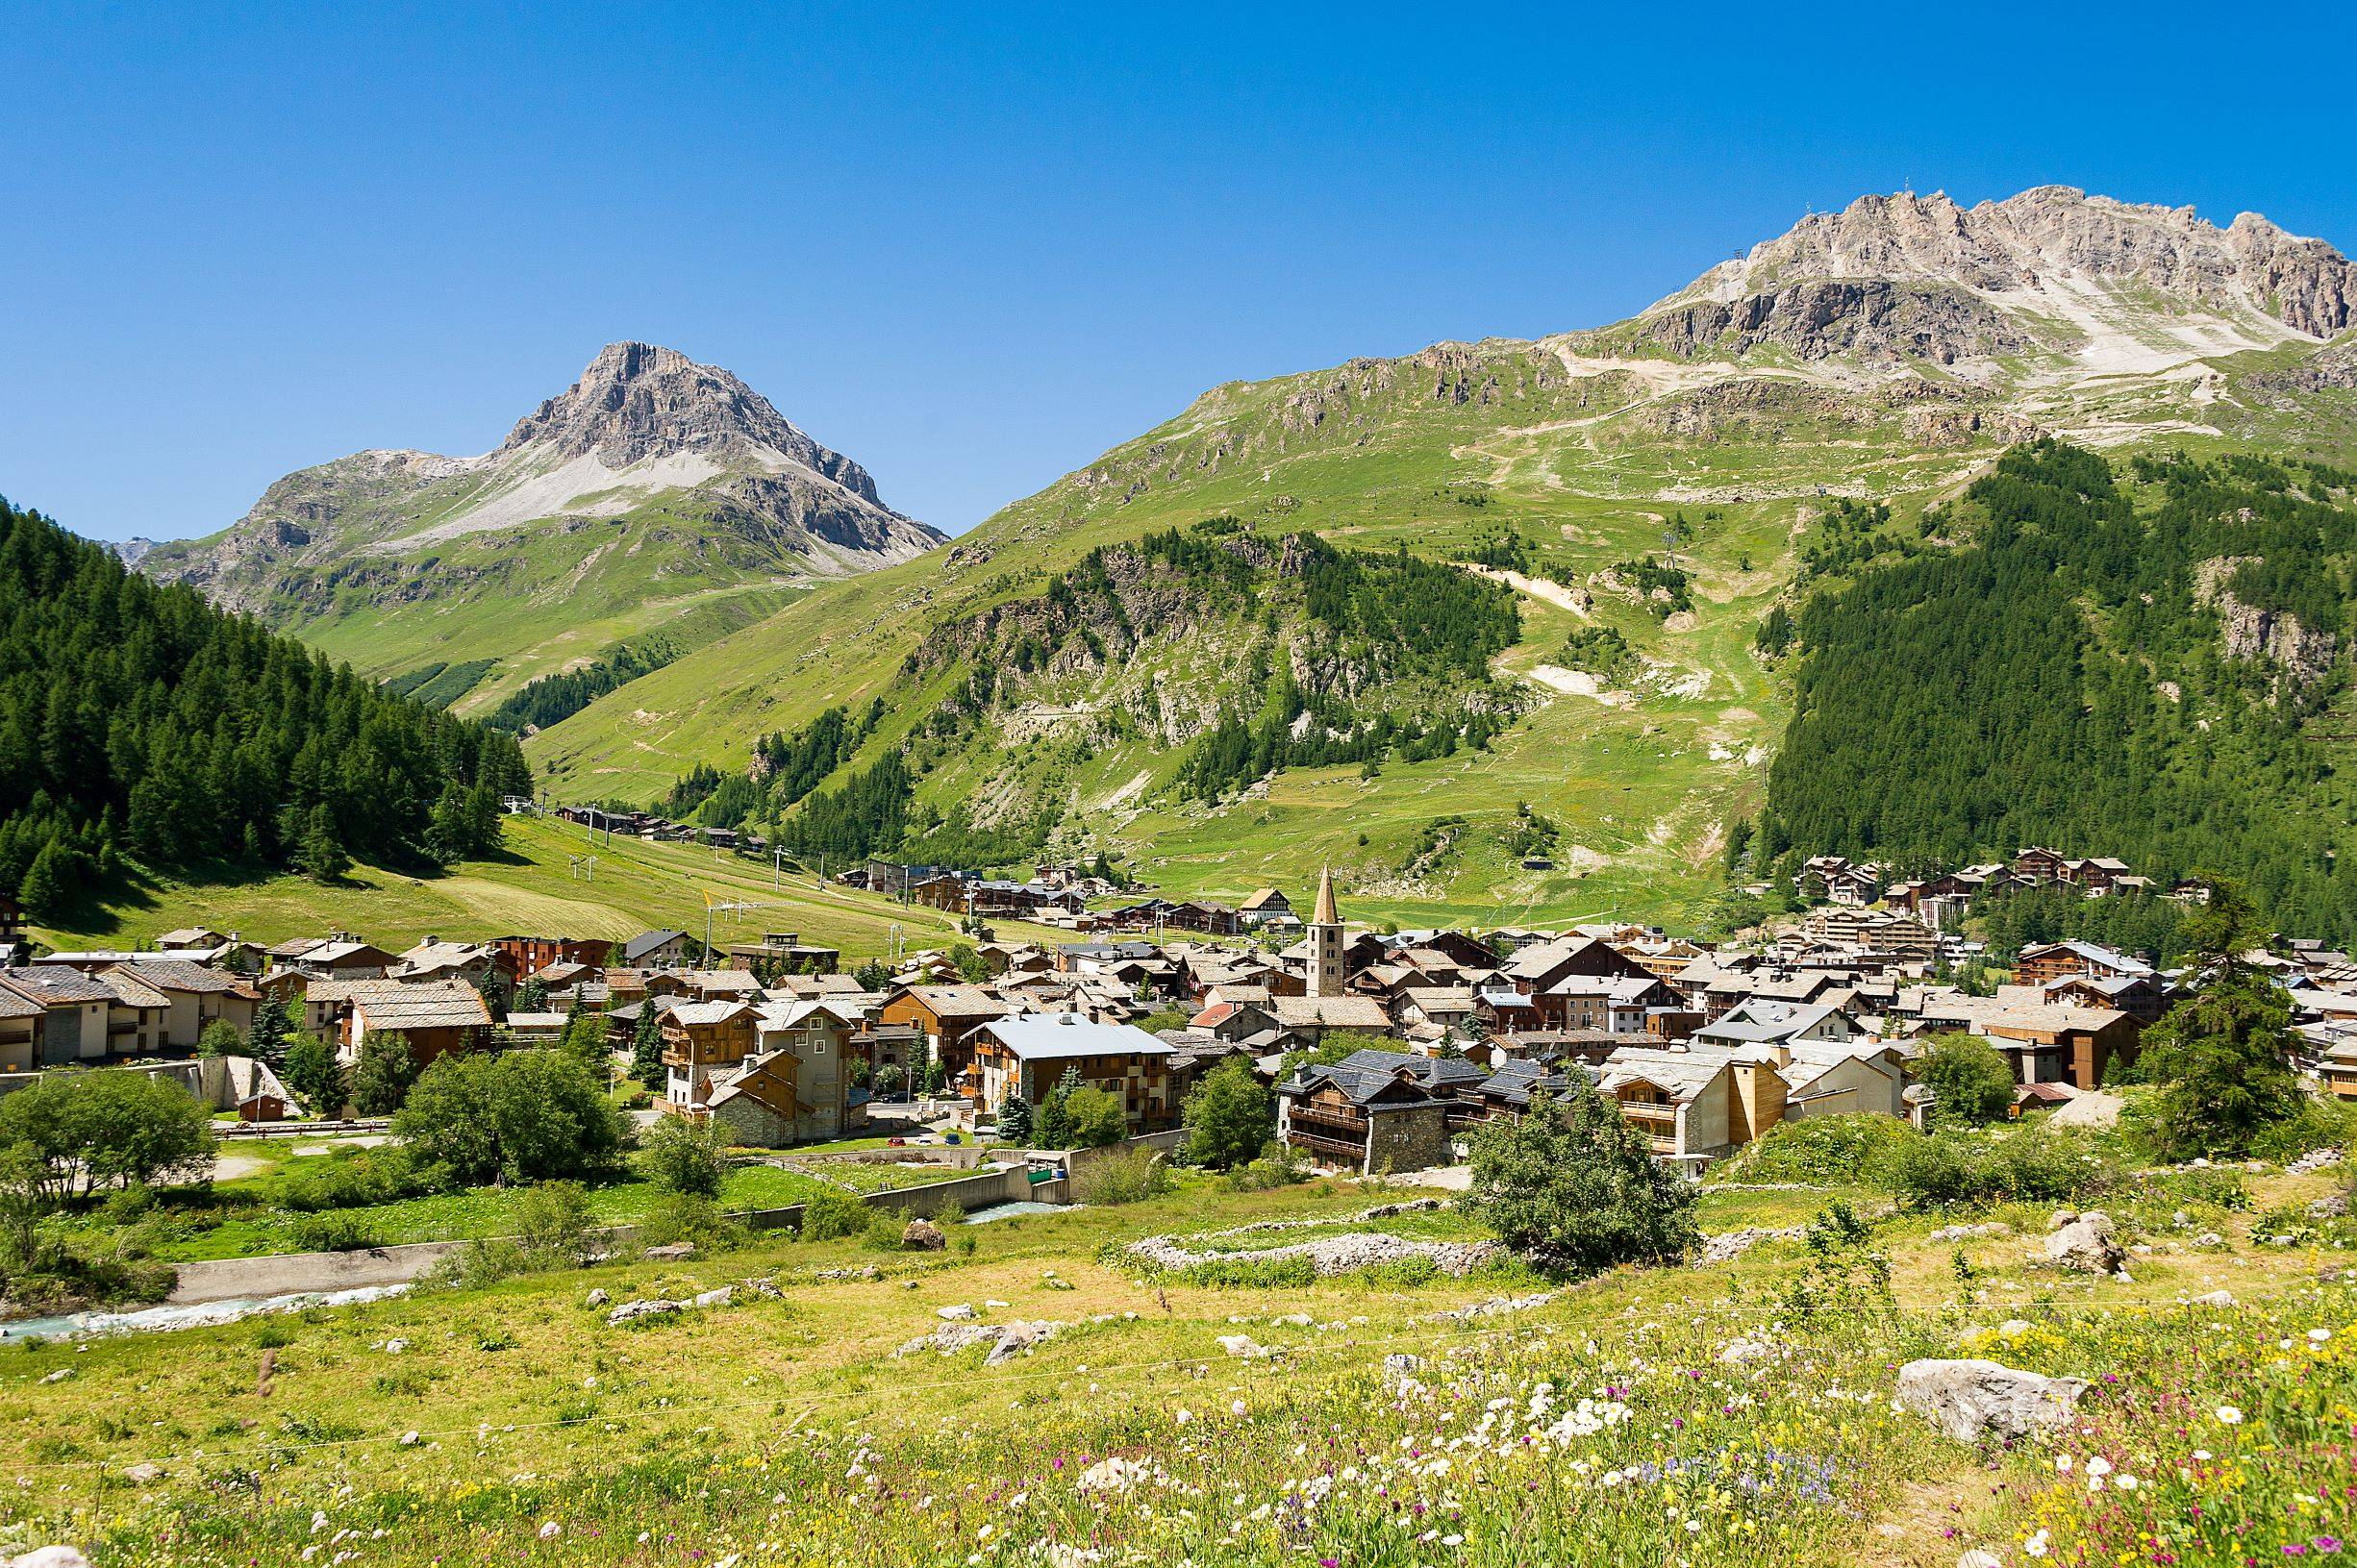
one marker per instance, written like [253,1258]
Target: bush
[685,1156]
[1951,1168]
[832,1215]
[1972,1085]
[333,1231]
[1254,1274]
[2317,1124]
[1229,1118]
[514,1118]
[886,1229]
[1572,1184]
[1097,1118]
[380,1176]
[1128,1178]
[1279,1165]
[949,1216]
[1823,1151]
[553,1221]
[681,1216]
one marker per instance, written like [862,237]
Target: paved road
[230,1278]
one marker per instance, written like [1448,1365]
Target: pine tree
[311,1072]
[266,1041]
[46,883]
[1055,1129]
[1015,1118]
[646,1049]
[320,856]
[381,1076]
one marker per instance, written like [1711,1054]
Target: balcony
[1349,1149]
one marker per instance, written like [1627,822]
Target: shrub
[1254,1274]
[685,1156]
[886,1229]
[1953,1168]
[1130,1178]
[516,1116]
[680,1217]
[1279,1165]
[1574,1184]
[1972,1085]
[949,1216]
[2317,1124]
[1097,1118]
[379,1175]
[333,1231]
[1822,1150]
[1228,1116]
[553,1221]
[1399,1274]
[832,1215]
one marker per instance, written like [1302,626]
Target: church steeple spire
[1325,977]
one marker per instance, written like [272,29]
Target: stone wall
[1411,1138]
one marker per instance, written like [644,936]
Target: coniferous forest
[2068,678]
[138,721]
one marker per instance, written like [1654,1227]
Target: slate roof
[645,942]
[404,1005]
[57,986]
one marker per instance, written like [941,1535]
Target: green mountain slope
[656,494]
[139,723]
[1674,480]
[2152,665]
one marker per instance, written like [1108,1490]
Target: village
[1384,1049]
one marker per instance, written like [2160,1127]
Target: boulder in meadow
[2086,1245]
[1972,1399]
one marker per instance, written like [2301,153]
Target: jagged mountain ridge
[652,481]
[1910,275]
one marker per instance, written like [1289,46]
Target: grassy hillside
[1537,458]
[1497,451]
[533,886]
[1730,1414]
[541,597]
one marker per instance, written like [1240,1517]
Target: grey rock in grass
[1971,1399]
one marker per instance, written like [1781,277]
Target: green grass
[240,1217]
[785,1431]
[534,886]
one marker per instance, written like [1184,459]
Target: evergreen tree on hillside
[136,716]
[2064,676]
[646,1049]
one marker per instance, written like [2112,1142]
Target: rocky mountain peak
[637,401]
[2056,236]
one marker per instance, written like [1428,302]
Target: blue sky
[973,247]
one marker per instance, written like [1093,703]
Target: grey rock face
[1969,1399]
[1910,277]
